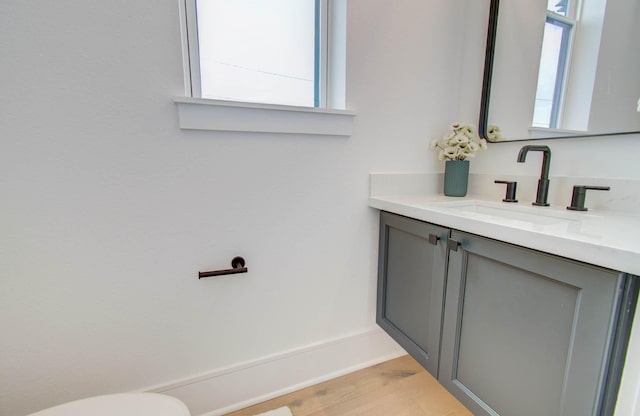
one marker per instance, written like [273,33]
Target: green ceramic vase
[456,177]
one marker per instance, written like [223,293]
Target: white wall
[109,210]
[617,87]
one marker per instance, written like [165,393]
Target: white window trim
[583,67]
[218,115]
[570,22]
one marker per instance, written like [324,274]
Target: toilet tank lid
[123,404]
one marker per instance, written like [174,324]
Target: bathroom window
[554,60]
[257,51]
[264,66]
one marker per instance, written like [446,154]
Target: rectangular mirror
[561,68]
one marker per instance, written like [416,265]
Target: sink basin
[504,211]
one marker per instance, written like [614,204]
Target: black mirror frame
[483,122]
[488,70]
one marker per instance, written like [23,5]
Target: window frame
[569,24]
[331,118]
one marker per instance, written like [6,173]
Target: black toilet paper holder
[237,264]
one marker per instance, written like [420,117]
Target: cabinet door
[526,333]
[411,274]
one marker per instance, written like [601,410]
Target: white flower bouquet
[461,143]
[494,133]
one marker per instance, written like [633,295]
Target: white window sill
[216,115]
[547,133]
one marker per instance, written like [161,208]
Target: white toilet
[124,404]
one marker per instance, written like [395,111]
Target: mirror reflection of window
[558,6]
[554,60]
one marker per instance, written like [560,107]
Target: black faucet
[543,182]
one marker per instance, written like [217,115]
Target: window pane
[257,50]
[550,76]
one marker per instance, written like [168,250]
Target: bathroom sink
[506,211]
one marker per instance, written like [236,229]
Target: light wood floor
[399,387]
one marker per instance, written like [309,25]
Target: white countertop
[604,238]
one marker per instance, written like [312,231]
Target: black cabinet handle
[433,239]
[579,194]
[453,244]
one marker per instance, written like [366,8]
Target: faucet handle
[510,195]
[579,194]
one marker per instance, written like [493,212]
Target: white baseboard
[225,390]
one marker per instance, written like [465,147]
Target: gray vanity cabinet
[507,330]
[412,267]
[526,333]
